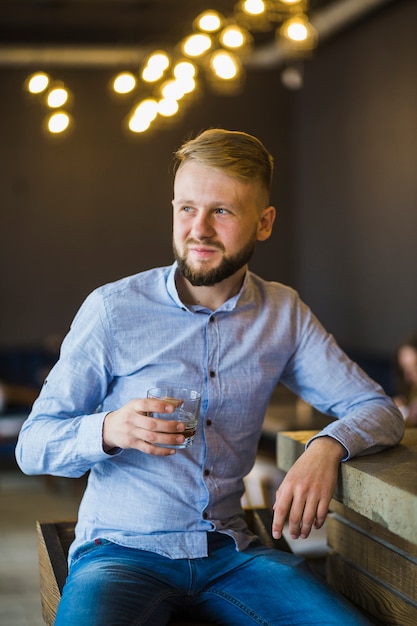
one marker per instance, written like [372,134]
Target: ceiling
[115,32]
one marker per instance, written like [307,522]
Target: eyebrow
[211,205]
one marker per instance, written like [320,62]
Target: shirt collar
[229,305]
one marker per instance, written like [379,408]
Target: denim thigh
[110,585]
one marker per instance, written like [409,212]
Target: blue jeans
[109,585]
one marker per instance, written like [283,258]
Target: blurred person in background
[406,370]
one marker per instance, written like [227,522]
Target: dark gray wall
[86,209]
[356,192]
[89,208]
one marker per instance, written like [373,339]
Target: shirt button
[206,472]
[209,422]
[212,374]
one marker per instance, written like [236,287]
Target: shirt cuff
[324,434]
[91,433]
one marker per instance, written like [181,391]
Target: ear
[266,221]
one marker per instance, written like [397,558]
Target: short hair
[235,153]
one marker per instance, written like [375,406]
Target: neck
[209,297]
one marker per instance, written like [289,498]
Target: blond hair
[235,153]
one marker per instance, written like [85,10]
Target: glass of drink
[187,409]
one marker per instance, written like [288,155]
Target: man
[161,529]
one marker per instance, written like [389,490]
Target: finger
[294,522]
[308,519]
[148,406]
[322,510]
[281,508]
[159,424]
[155,438]
[149,448]
[301,516]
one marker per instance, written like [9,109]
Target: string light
[57,97]
[214,51]
[224,65]
[185,69]
[125,82]
[37,83]
[54,95]
[155,67]
[167,107]
[58,122]
[233,37]
[299,32]
[209,21]
[196,45]
[254,7]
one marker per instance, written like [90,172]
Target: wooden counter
[372,528]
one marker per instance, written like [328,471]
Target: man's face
[216,223]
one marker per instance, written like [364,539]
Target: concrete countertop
[382,487]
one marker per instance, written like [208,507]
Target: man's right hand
[132,427]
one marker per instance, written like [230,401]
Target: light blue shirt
[135,334]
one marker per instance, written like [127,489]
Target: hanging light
[209,21]
[224,65]
[125,82]
[172,90]
[155,66]
[143,115]
[196,45]
[58,122]
[57,96]
[234,37]
[253,7]
[298,33]
[184,69]
[37,83]
[138,125]
[167,107]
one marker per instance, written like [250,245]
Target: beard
[227,267]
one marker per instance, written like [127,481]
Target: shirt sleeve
[56,439]
[324,376]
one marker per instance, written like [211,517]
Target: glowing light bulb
[159,59]
[124,82]
[232,37]
[155,66]
[297,31]
[171,90]
[138,125]
[209,21]
[38,82]
[57,97]
[184,69]
[147,109]
[196,45]
[58,122]
[224,65]
[167,107]
[254,7]
[142,116]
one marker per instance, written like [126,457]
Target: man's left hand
[305,493]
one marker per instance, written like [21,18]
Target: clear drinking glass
[187,409]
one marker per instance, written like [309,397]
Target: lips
[202,253]
[201,250]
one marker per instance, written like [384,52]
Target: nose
[203,227]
